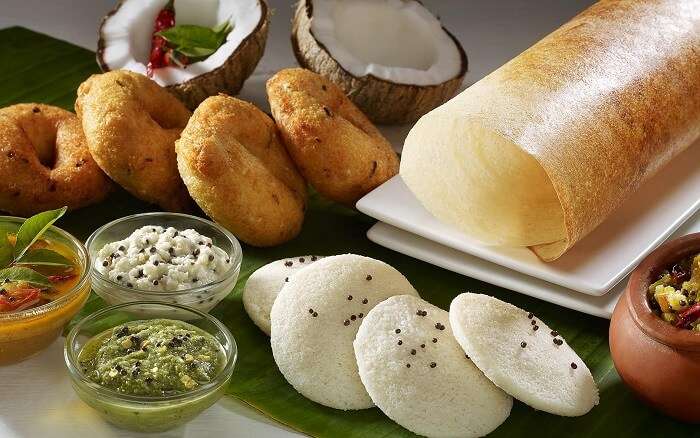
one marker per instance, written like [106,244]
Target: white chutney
[155,258]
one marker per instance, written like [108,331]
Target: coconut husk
[384,102]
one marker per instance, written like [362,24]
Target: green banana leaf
[37,68]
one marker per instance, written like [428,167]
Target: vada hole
[46,153]
[43,140]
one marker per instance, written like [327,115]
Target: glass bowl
[27,332]
[202,298]
[147,413]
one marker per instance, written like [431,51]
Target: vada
[334,145]
[131,124]
[236,168]
[44,161]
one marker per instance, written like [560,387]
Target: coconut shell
[383,101]
[228,78]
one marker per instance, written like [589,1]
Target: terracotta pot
[659,362]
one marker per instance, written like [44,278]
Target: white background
[35,396]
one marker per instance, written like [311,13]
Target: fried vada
[236,168]
[45,162]
[334,145]
[131,124]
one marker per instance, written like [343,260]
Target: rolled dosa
[542,150]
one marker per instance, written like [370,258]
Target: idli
[264,285]
[314,321]
[522,355]
[417,374]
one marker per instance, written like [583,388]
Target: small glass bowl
[24,333]
[147,413]
[202,298]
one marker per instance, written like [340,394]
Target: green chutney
[152,358]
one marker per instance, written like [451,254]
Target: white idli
[315,319]
[264,285]
[522,355]
[417,374]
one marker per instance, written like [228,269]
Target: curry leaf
[33,228]
[196,41]
[223,28]
[190,35]
[6,251]
[18,273]
[195,52]
[44,257]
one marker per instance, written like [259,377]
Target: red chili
[164,20]
[688,316]
[679,274]
[19,299]
[60,278]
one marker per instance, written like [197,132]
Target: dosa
[542,150]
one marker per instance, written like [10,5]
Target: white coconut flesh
[126,34]
[395,40]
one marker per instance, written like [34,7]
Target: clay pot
[659,362]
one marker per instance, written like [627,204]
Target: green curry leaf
[196,41]
[195,52]
[223,28]
[18,273]
[6,251]
[33,228]
[45,257]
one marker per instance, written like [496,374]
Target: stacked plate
[588,278]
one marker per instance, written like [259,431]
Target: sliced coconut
[125,43]
[522,355]
[392,57]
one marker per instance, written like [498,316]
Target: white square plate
[596,263]
[471,266]
[456,261]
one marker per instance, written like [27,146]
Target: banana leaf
[37,68]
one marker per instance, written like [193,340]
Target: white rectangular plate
[462,263]
[595,264]
[471,266]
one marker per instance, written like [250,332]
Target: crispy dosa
[542,150]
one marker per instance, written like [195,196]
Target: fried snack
[334,145]
[131,125]
[45,162]
[235,167]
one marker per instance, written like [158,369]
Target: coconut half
[125,43]
[392,57]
